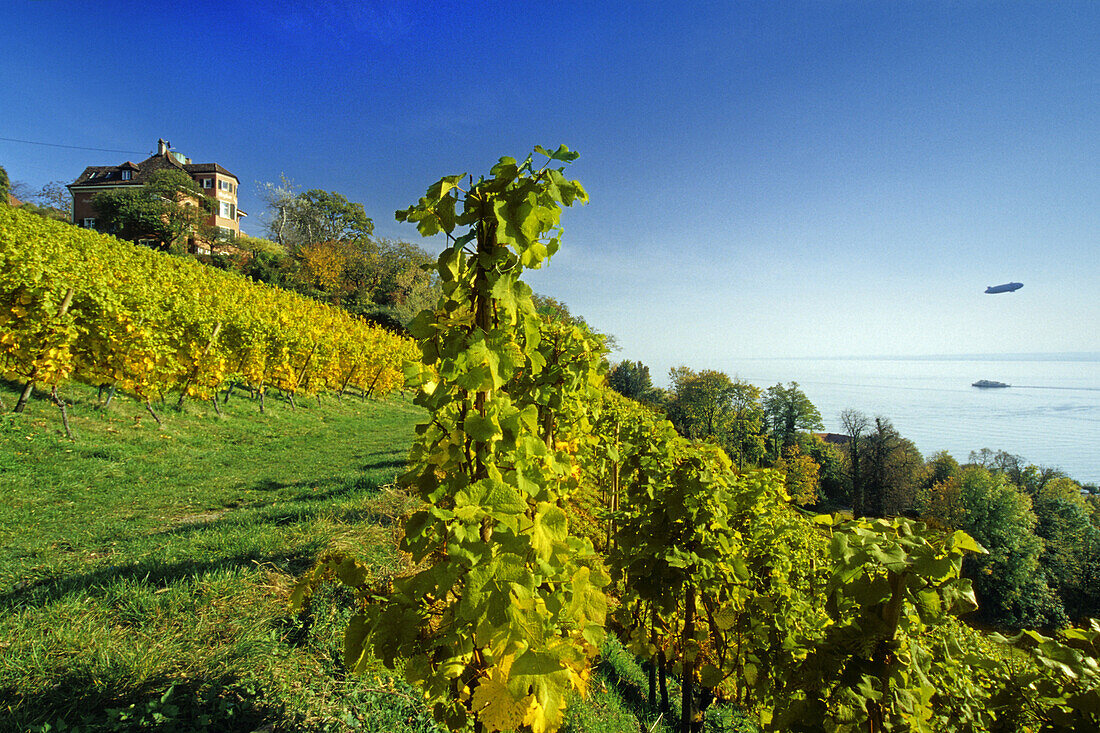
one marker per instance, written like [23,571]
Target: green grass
[145,572]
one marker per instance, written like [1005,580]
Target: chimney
[162,147]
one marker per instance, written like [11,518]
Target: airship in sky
[1006,288]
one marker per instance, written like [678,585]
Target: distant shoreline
[1035,356]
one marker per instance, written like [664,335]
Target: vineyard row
[78,305]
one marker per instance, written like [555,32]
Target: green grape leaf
[588,604]
[710,676]
[962,542]
[355,637]
[483,429]
[351,573]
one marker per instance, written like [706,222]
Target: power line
[71,147]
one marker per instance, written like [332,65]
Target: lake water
[1050,415]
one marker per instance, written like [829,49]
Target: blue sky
[766,178]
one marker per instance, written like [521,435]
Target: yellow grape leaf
[535,719]
[494,705]
[551,528]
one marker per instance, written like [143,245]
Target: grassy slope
[137,562]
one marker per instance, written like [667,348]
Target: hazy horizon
[1001,356]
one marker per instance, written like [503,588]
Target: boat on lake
[987,383]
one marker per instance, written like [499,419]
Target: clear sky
[767,178]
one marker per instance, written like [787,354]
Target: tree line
[1041,527]
[52,201]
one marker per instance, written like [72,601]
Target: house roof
[110,176]
[209,168]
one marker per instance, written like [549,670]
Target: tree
[169,207]
[708,404]
[54,195]
[1027,477]
[701,402]
[630,379]
[1093,503]
[891,467]
[831,483]
[322,216]
[1071,546]
[322,266]
[53,201]
[790,410]
[747,441]
[801,472]
[1012,589]
[297,219]
[5,186]
[405,283]
[281,199]
[940,467]
[855,425]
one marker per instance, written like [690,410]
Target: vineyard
[550,515]
[555,514]
[77,305]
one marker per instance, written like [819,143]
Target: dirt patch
[200,518]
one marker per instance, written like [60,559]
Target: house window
[208,183]
[225,186]
[89,223]
[125,175]
[226,233]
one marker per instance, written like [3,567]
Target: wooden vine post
[687,678]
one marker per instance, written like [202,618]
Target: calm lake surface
[1050,415]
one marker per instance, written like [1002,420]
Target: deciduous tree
[297,220]
[891,467]
[790,410]
[54,195]
[801,472]
[702,402]
[855,425]
[630,379]
[169,207]
[1012,590]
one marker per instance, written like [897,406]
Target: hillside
[144,572]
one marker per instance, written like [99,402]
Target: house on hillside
[834,438]
[215,182]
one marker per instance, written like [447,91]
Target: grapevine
[75,304]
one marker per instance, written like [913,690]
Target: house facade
[215,182]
